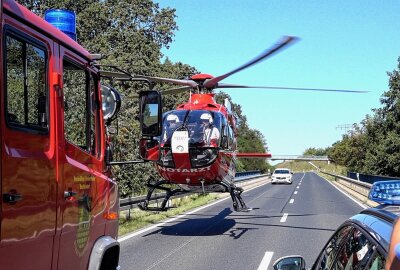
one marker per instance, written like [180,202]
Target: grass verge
[328,177]
[139,219]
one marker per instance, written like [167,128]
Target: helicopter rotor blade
[220,85]
[167,80]
[277,47]
[176,90]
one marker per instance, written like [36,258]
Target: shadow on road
[216,225]
[208,225]
[287,226]
[253,216]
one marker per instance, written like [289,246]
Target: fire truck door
[84,189]
[28,152]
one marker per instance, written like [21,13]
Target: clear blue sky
[344,45]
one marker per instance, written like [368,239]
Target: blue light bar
[63,19]
[385,192]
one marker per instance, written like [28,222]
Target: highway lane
[287,219]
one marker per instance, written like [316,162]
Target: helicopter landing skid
[238,203]
[166,196]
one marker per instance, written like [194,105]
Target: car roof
[378,222]
[282,169]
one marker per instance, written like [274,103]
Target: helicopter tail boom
[253,155]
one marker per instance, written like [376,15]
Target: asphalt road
[286,220]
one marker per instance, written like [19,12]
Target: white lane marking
[297,187]
[348,196]
[284,217]
[291,201]
[266,260]
[295,192]
[178,217]
[304,174]
[175,250]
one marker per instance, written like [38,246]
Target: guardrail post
[128,215]
[156,193]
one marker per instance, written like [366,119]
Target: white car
[282,175]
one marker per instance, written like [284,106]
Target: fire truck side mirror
[150,113]
[111,103]
[149,149]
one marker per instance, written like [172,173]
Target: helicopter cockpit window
[171,121]
[204,128]
[231,139]
[224,133]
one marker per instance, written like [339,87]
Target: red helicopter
[194,146]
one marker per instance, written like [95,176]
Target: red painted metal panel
[29,166]
[25,16]
[82,214]
[253,155]
[44,230]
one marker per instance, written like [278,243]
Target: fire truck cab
[59,204]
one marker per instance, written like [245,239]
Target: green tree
[249,140]
[130,35]
[177,71]
[350,151]
[312,151]
[383,131]
[373,147]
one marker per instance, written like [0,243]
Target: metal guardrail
[299,157]
[240,175]
[369,178]
[361,188]
[131,202]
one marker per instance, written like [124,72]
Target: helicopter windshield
[172,120]
[204,127]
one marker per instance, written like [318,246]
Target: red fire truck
[59,206]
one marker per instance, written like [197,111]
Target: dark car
[361,242]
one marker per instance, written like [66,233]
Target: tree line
[130,35]
[373,145]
